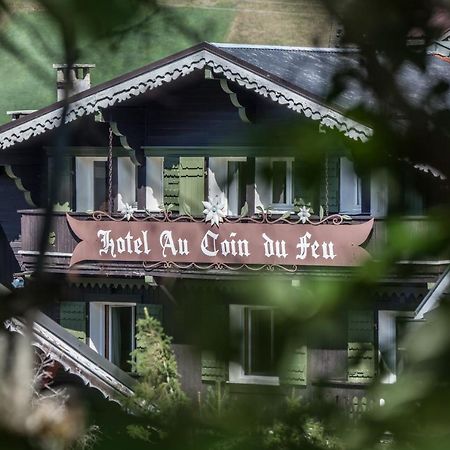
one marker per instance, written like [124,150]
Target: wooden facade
[200,124]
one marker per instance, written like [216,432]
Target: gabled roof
[77,357]
[257,76]
[313,70]
[298,78]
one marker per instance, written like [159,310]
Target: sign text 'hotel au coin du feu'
[231,243]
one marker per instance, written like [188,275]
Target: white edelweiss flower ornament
[304,214]
[214,211]
[128,211]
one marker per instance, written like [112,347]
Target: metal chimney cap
[75,66]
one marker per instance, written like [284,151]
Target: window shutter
[212,368]
[361,347]
[192,185]
[171,182]
[332,179]
[73,318]
[154,310]
[294,365]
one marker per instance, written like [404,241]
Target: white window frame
[84,182]
[232,189]
[97,326]
[126,182]
[264,187]
[350,197]
[289,185]
[133,324]
[236,370]
[154,183]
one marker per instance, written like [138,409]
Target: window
[281,182]
[256,325]
[154,183]
[236,186]
[120,335]
[259,340]
[100,189]
[404,328]
[91,177]
[274,183]
[112,331]
[350,195]
[279,177]
[227,179]
[354,191]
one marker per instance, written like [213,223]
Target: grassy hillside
[26,74]
[28,80]
[276,22]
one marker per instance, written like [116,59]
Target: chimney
[78,78]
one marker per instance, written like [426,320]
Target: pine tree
[158,393]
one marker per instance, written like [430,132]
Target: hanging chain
[326,186]
[110,170]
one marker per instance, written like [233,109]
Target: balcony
[62,242]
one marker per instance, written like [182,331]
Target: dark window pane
[279,174]
[260,342]
[100,199]
[121,336]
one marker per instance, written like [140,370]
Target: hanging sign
[240,243]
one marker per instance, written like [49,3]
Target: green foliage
[158,394]
[32,42]
[297,428]
[217,401]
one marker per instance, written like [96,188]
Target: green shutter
[155,311]
[361,347]
[192,185]
[212,368]
[294,365]
[171,181]
[332,180]
[73,318]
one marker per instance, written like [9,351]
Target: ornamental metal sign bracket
[259,242]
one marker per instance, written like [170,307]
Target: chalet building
[177,186]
